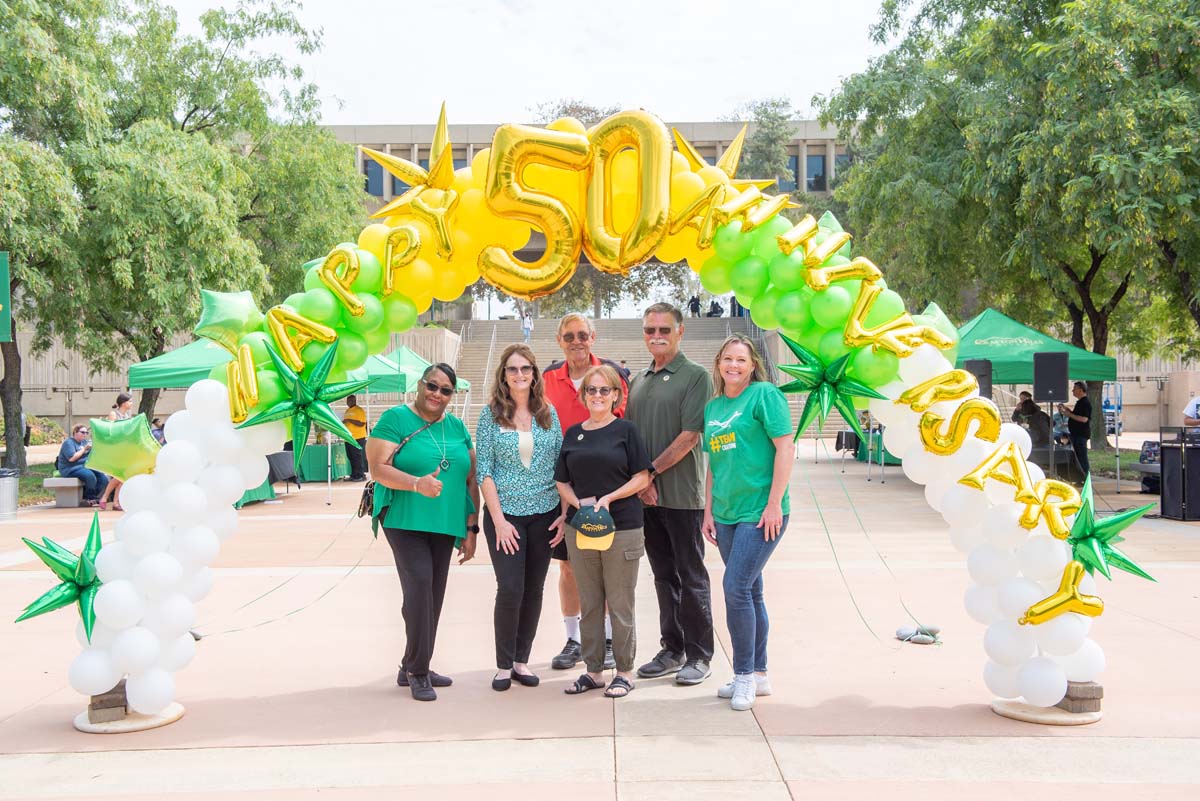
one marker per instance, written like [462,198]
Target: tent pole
[328,469]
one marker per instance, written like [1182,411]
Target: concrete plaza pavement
[292,692]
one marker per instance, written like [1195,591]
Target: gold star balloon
[123,448]
[77,574]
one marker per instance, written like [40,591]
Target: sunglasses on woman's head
[570,336]
[605,391]
[524,369]
[662,330]
[432,387]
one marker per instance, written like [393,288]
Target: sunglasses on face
[661,330]
[602,391]
[571,336]
[84,431]
[514,370]
[432,387]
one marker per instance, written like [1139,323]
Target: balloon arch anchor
[108,713]
[1080,707]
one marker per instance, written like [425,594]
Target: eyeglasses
[603,391]
[84,431]
[662,330]
[524,369]
[432,387]
[571,336]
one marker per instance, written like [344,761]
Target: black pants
[1080,446]
[423,561]
[675,549]
[520,578]
[358,459]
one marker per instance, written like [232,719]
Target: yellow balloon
[374,239]
[446,284]
[479,167]
[624,208]
[568,125]
[672,249]
[625,172]
[685,186]
[464,179]
[679,163]
[697,256]
[712,175]
[422,302]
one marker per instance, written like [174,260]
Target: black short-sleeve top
[599,461]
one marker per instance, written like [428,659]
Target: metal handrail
[487,371]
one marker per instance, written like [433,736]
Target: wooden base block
[104,714]
[1047,716]
[131,722]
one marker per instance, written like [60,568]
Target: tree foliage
[765,152]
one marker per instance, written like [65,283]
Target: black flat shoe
[524,679]
[435,679]
[500,685]
[421,688]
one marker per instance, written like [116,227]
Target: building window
[789,182]
[399,187]
[374,182]
[816,173]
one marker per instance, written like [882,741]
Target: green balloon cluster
[771,285]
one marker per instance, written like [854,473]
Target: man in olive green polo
[666,403]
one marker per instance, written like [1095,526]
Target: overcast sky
[493,60]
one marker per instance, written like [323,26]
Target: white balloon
[1011,432]
[918,464]
[178,462]
[134,649]
[102,635]
[1062,635]
[184,504]
[901,434]
[1008,643]
[998,492]
[119,605]
[92,672]
[924,363]
[142,533]
[141,493]
[964,506]
[1001,527]
[181,427]
[1036,473]
[1042,558]
[254,471]
[195,546]
[980,601]
[208,401]
[1042,681]
[114,562]
[222,483]
[935,490]
[969,455]
[155,575]
[223,521]
[989,565]
[170,617]
[266,438]
[198,584]
[177,653]
[150,691]
[881,410]
[1086,664]
[966,539]
[1087,585]
[1015,595]
[221,444]
[1001,680]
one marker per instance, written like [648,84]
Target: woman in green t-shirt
[426,497]
[748,438]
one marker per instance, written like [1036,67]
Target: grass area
[1104,463]
[30,490]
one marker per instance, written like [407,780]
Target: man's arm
[678,448]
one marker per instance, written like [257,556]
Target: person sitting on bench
[70,464]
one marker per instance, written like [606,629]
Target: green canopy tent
[1010,346]
[398,371]
[179,368]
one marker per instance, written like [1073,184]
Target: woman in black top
[604,464]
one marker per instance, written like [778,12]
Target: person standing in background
[1079,425]
[527,326]
[355,419]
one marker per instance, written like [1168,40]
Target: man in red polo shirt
[562,379]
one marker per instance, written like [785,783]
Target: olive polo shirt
[662,405]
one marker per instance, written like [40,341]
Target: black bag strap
[367,501]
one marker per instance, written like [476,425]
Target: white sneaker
[743,692]
[762,687]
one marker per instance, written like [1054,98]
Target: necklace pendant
[444,464]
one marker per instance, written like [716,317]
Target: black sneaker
[664,664]
[610,661]
[435,679]
[694,672]
[421,688]
[568,657]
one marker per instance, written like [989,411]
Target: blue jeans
[745,554]
[94,482]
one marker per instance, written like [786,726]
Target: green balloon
[351,351]
[378,340]
[399,313]
[312,353]
[763,313]
[292,301]
[852,287]
[370,274]
[312,277]
[270,389]
[765,245]
[832,346]
[258,342]
[787,270]
[792,310]
[219,373]
[874,368]
[746,301]
[831,307]
[370,319]
[811,338]
[714,276]
[888,306]
[749,277]
[730,243]
[321,306]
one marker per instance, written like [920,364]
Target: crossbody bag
[367,501]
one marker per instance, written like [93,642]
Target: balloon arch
[621,193]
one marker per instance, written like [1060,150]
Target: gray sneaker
[693,672]
[666,662]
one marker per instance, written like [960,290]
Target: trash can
[9,484]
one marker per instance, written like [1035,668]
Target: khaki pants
[608,577]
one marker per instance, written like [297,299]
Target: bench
[68,492]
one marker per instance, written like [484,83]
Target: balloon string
[866,535]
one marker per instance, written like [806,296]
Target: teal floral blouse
[522,490]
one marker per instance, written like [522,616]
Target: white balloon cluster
[1011,568]
[158,568]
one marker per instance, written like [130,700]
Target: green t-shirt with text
[737,438]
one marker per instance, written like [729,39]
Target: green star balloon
[827,387]
[309,401]
[77,574]
[1093,542]
[226,316]
[123,448]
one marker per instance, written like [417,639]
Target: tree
[771,131]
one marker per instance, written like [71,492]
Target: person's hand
[649,495]
[602,503]
[466,551]
[430,486]
[559,526]
[771,521]
[708,527]
[507,537]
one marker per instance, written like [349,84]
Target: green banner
[5,300]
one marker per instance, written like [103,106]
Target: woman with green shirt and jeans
[748,438]
[426,498]
[519,438]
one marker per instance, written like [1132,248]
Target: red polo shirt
[564,397]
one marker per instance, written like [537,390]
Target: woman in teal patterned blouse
[517,442]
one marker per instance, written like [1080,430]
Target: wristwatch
[474,529]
